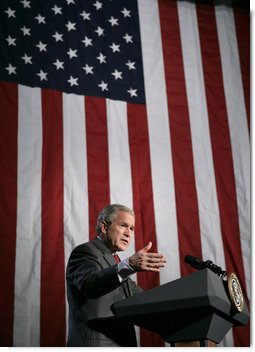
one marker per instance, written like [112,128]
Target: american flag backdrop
[143,103]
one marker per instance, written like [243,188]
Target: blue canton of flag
[84,47]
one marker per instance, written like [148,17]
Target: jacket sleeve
[85,272]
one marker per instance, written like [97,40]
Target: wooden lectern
[193,311]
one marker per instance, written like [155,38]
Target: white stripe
[238,127]
[159,137]
[76,227]
[120,167]
[212,246]
[28,243]
[119,160]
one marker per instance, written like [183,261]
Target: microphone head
[190,259]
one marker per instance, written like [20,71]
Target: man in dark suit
[95,281]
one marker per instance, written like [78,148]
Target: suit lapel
[107,254]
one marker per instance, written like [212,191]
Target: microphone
[200,264]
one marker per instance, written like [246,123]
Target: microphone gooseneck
[196,263]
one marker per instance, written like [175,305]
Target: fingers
[143,261]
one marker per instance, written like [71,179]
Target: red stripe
[52,262]
[143,200]
[8,206]
[242,22]
[97,158]
[221,147]
[182,154]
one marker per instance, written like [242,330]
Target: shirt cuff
[124,271]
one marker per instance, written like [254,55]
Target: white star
[40,19]
[70,2]
[131,65]
[71,53]
[114,47]
[117,74]
[103,86]
[128,38]
[88,69]
[27,59]
[25,30]
[126,12]
[26,3]
[57,10]
[11,41]
[99,31]
[58,64]
[113,21]
[101,58]
[41,46]
[11,69]
[70,26]
[85,15]
[58,36]
[73,81]
[87,41]
[10,12]
[98,5]
[132,92]
[42,75]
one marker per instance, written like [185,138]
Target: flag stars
[99,31]
[10,12]
[85,15]
[11,41]
[113,21]
[26,31]
[128,38]
[70,26]
[131,65]
[73,81]
[40,19]
[87,41]
[41,46]
[11,69]
[59,64]
[26,4]
[42,75]
[117,74]
[103,85]
[70,2]
[98,5]
[72,53]
[88,69]
[58,37]
[101,58]
[57,10]
[132,92]
[27,59]
[126,13]
[115,47]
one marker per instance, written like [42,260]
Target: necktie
[116,257]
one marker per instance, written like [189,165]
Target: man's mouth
[124,240]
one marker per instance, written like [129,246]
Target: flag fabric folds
[143,103]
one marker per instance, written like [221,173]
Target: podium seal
[235,292]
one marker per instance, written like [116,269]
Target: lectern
[195,310]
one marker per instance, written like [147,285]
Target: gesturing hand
[145,261]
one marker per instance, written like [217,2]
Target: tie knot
[116,257]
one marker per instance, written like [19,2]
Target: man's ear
[103,227]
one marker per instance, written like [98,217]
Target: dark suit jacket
[92,287]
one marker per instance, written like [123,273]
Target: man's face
[118,234]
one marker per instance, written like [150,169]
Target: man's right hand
[143,260]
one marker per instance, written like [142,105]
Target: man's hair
[109,214]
